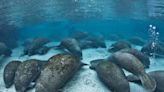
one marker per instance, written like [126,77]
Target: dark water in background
[55,18]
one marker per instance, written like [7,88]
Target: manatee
[119,45]
[9,73]
[43,50]
[58,71]
[27,72]
[97,42]
[141,56]
[113,76]
[72,46]
[92,43]
[94,63]
[32,46]
[4,50]
[79,35]
[137,41]
[157,75]
[157,50]
[130,63]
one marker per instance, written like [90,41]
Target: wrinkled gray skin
[112,76]
[27,72]
[32,46]
[72,46]
[4,50]
[119,45]
[59,70]
[141,56]
[137,41]
[158,49]
[94,63]
[133,65]
[9,73]
[157,75]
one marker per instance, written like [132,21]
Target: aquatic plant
[153,37]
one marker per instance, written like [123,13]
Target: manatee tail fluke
[148,82]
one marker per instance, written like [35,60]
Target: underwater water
[59,32]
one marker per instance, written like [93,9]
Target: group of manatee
[45,76]
[53,74]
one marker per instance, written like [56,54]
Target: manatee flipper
[147,81]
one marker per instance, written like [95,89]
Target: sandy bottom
[85,80]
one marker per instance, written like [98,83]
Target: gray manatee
[27,72]
[136,41]
[59,70]
[43,50]
[141,56]
[157,50]
[72,46]
[157,75]
[130,63]
[32,46]
[79,35]
[119,45]
[9,73]
[112,76]
[96,43]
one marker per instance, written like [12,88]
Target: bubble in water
[150,25]
[154,27]
[153,39]
[157,33]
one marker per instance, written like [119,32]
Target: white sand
[85,80]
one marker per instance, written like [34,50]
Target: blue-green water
[125,27]
[129,17]
[23,23]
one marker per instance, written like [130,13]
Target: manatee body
[79,35]
[130,63]
[119,45]
[4,50]
[98,41]
[26,73]
[85,44]
[141,56]
[43,50]
[157,75]
[112,76]
[137,41]
[72,46]
[9,73]
[149,50]
[59,70]
[32,46]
